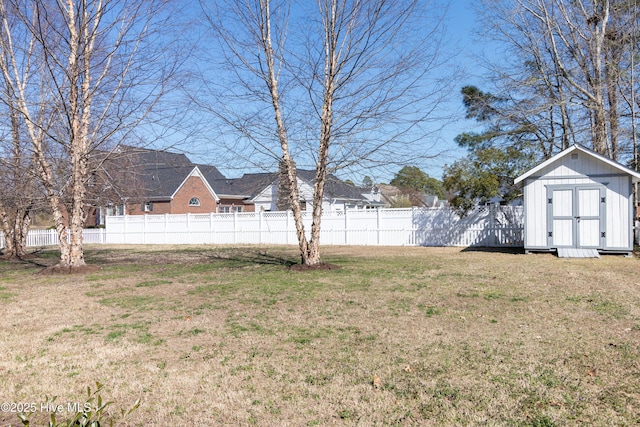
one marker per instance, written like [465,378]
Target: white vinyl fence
[38,238]
[485,226]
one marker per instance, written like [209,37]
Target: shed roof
[635,176]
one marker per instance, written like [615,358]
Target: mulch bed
[55,270]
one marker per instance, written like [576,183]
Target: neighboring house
[261,190]
[239,194]
[138,181]
[144,181]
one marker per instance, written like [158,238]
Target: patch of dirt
[60,270]
[321,266]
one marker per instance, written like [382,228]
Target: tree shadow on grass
[253,257]
[222,257]
[249,257]
[45,261]
[240,257]
[31,259]
[496,249]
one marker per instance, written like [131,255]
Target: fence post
[144,230]
[492,225]
[413,225]
[166,228]
[287,225]
[378,225]
[235,226]
[346,227]
[260,227]
[126,228]
[211,231]
[106,227]
[188,228]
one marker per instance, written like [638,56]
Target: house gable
[195,173]
[337,195]
[194,195]
[266,199]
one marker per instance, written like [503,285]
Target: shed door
[576,216]
[588,217]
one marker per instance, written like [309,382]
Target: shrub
[90,414]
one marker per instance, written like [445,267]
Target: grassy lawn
[397,336]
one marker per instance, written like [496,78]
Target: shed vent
[574,156]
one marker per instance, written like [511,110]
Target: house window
[229,209]
[147,206]
[194,201]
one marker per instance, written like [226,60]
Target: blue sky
[460,23]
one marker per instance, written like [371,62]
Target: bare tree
[19,196]
[80,83]
[346,82]
[582,52]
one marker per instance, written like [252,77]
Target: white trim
[269,194]
[635,175]
[196,172]
[265,192]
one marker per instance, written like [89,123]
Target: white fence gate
[484,226]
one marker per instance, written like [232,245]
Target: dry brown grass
[410,336]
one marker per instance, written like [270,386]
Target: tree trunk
[20,232]
[599,126]
[15,227]
[596,79]
[288,165]
[284,188]
[16,220]
[326,120]
[7,230]
[611,72]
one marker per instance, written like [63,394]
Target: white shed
[579,200]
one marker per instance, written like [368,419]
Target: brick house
[143,181]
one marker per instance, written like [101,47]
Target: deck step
[578,253]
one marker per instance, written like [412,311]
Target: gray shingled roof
[159,172]
[247,186]
[251,184]
[335,188]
